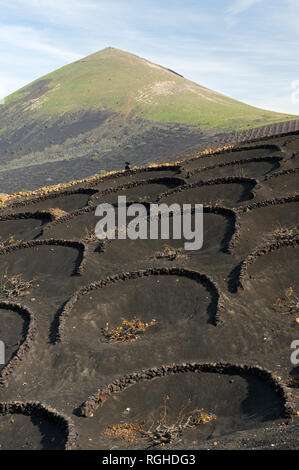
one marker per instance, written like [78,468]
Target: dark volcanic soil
[225,315]
[79,145]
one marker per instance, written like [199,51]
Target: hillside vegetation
[119,81]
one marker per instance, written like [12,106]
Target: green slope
[121,82]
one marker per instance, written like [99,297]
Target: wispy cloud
[240,6]
[31,39]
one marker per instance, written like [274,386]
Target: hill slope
[119,81]
[110,104]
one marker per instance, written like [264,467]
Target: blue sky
[247,49]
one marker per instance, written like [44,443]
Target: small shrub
[127,331]
[170,253]
[287,304]
[202,417]
[14,286]
[90,236]
[218,203]
[9,241]
[281,231]
[160,433]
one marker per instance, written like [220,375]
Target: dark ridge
[176,73]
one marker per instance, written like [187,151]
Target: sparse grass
[288,304]
[126,431]
[14,286]
[127,331]
[210,151]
